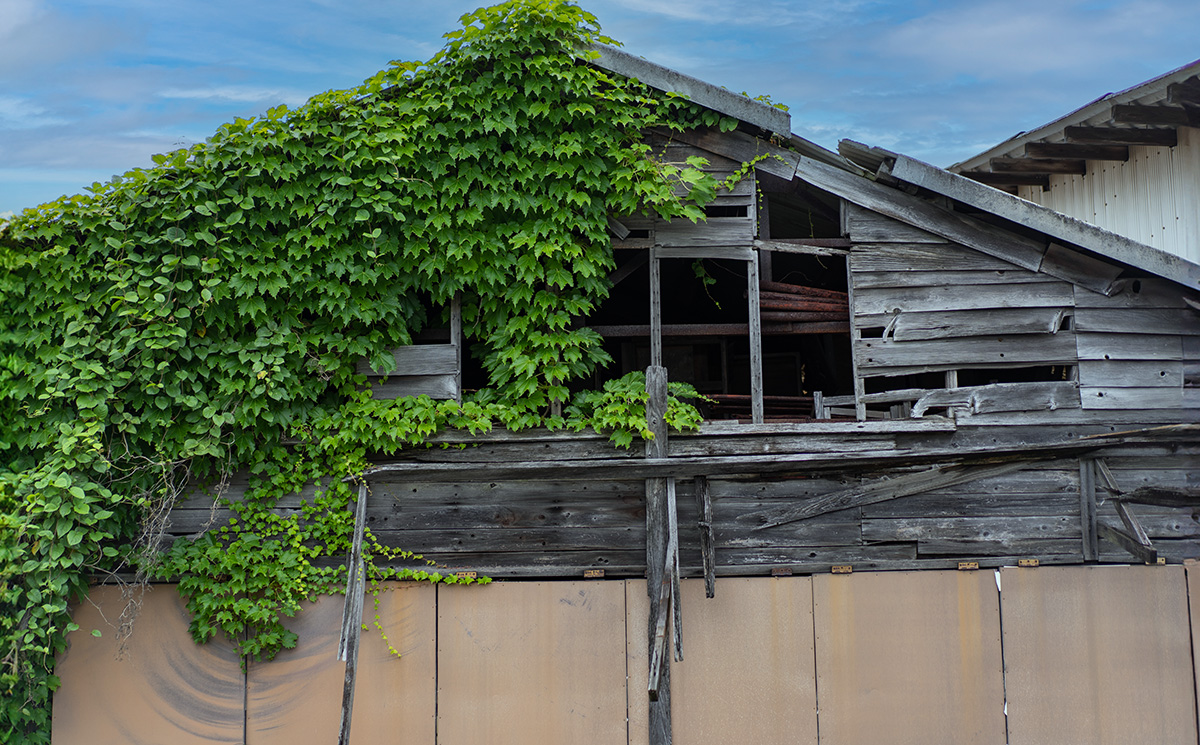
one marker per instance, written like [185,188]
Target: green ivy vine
[204,316]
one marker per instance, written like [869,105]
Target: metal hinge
[1028,562]
[967,565]
[781,572]
[841,568]
[467,575]
[593,574]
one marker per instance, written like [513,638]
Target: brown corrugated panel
[1098,655]
[747,671]
[297,697]
[908,657]
[164,689]
[532,663]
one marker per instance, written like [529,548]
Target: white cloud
[237,94]
[23,113]
[16,13]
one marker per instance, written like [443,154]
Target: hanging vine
[183,321]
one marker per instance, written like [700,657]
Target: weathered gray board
[747,674]
[164,688]
[909,657]
[297,696]
[1101,655]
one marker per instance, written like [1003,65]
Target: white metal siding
[1153,198]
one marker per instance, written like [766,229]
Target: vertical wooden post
[707,547]
[756,360]
[860,389]
[456,339]
[656,350]
[352,615]
[1087,509]
[657,537]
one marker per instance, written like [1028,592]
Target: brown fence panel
[164,688]
[1098,655]
[908,657]
[747,671]
[297,697]
[532,663]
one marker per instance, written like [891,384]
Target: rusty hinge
[967,565]
[1028,562]
[467,575]
[593,574]
[781,572]
[841,568]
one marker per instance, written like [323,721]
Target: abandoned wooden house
[907,369]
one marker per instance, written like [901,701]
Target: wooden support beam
[352,614]
[1185,92]
[1077,150]
[708,549]
[1039,165]
[884,489]
[456,338]
[1009,179]
[1123,136]
[1173,116]
[1087,509]
[1127,542]
[756,359]
[671,565]
[656,352]
[658,580]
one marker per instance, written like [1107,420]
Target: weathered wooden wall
[922,304]
[551,524]
[1085,655]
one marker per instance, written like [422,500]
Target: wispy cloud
[238,94]
[24,113]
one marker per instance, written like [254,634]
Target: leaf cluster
[177,323]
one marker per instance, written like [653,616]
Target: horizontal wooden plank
[419,359]
[715,231]
[1175,321]
[1012,549]
[671,251]
[1111,419]
[1094,346]
[939,505]
[958,297]
[506,540]
[435,386]
[873,355]
[935,278]
[910,326]
[1131,373]
[982,529]
[1131,398]
[922,257]
[863,225]
[987,399]
[1145,292]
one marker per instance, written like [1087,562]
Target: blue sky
[91,88]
